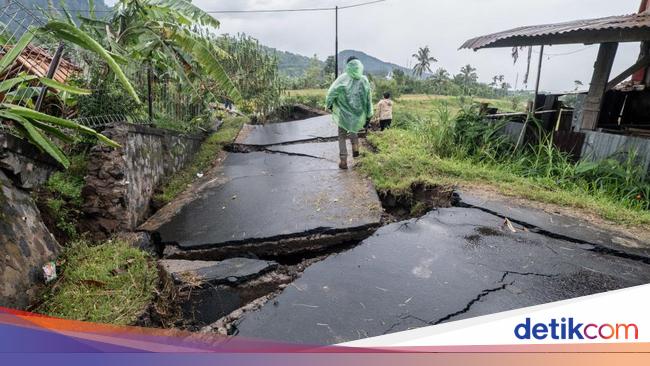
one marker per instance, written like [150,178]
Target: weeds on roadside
[108,283]
[442,148]
[62,195]
[203,160]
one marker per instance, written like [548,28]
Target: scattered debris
[49,272]
[509,225]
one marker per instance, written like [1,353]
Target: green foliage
[254,71]
[36,126]
[62,195]
[434,147]
[174,37]
[314,100]
[381,86]
[441,82]
[110,283]
[107,97]
[72,33]
[203,160]
[423,61]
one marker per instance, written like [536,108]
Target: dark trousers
[385,123]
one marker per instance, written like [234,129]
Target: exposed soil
[418,200]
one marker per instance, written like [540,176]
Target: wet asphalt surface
[273,195]
[288,132]
[449,265]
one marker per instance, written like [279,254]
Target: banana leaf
[8,59]
[73,34]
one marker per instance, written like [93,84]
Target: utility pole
[336,42]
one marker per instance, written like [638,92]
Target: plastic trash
[49,272]
[350,98]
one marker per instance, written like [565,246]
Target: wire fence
[46,56]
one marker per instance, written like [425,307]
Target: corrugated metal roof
[623,28]
[36,61]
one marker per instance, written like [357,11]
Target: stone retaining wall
[25,243]
[120,182]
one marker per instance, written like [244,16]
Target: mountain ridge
[294,64]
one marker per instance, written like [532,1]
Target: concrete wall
[121,182]
[25,243]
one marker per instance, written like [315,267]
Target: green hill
[292,64]
[373,65]
[295,65]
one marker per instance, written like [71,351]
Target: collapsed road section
[278,243]
[273,203]
[284,200]
[451,264]
[308,130]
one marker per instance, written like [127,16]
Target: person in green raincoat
[350,100]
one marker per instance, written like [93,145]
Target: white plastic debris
[509,225]
[49,272]
[199,175]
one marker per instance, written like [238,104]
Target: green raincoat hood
[354,68]
[349,98]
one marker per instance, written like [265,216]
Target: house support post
[598,86]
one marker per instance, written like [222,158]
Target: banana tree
[37,127]
[175,37]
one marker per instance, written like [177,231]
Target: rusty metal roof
[36,61]
[625,28]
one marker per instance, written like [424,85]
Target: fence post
[149,92]
[56,60]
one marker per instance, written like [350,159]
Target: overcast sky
[393,30]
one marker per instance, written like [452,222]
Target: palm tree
[441,75]
[468,76]
[497,80]
[424,61]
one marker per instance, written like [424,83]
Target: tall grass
[469,137]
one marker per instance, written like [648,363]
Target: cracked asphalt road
[449,265]
[276,193]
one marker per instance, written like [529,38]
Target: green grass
[63,195]
[111,283]
[418,151]
[203,160]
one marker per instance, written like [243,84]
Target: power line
[295,10]
[565,53]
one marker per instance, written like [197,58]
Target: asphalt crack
[464,310]
[506,273]
[266,150]
[471,303]
[592,247]
[243,148]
